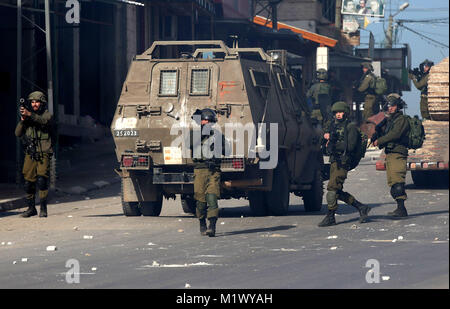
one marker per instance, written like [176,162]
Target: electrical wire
[423,36]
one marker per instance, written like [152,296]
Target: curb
[78,190]
[11,204]
[16,203]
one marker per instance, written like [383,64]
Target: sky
[421,48]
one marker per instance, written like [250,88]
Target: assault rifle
[417,73]
[30,147]
[378,131]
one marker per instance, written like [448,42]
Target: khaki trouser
[32,169]
[395,168]
[369,105]
[335,187]
[206,182]
[424,107]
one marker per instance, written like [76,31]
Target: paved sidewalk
[80,169]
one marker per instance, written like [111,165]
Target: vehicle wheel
[131,209]
[188,204]
[151,209]
[278,199]
[312,199]
[257,203]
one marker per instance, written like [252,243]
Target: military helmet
[427,63]
[322,74]
[367,65]
[208,114]
[395,99]
[340,106]
[38,96]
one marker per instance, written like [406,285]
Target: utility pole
[389,32]
[338,16]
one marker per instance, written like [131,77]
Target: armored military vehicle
[244,86]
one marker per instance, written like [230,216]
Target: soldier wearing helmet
[367,88]
[206,154]
[319,98]
[342,139]
[35,131]
[421,84]
[393,138]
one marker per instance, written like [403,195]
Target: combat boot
[203,227]
[363,211]
[31,211]
[43,211]
[329,219]
[211,231]
[400,212]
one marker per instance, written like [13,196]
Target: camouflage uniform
[422,86]
[207,174]
[343,140]
[367,87]
[394,140]
[36,133]
[320,97]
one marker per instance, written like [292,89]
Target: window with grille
[282,81]
[260,79]
[200,82]
[168,83]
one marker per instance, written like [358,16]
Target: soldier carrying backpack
[344,142]
[372,87]
[395,135]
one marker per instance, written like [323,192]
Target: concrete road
[97,247]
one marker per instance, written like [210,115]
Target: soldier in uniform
[320,97]
[342,139]
[206,157]
[422,85]
[367,87]
[393,137]
[35,130]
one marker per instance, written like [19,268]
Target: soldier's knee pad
[331,197]
[211,199]
[42,183]
[398,190]
[29,187]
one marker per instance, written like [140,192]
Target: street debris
[158,265]
[285,250]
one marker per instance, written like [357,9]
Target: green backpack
[380,86]
[416,134]
[360,151]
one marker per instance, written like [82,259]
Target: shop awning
[307,35]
